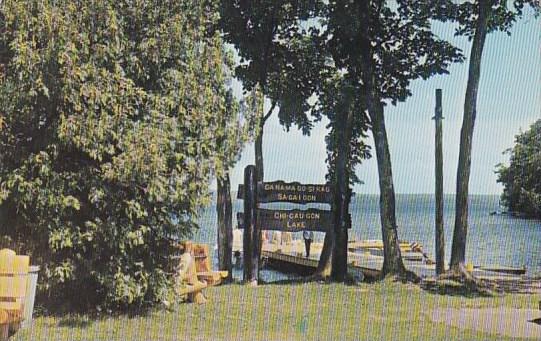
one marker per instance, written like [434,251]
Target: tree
[267,37]
[521,179]
[108,141]
[384,49]
[283,51]
[239,120]
[279,52]
[476,19]
[338,100]
[458,250]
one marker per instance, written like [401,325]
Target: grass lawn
[380,311]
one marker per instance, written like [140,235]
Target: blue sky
[509,101]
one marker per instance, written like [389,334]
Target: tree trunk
[392,263]
[250,245]
[225,226]
[259,165]
[341,196]
[439,230]
[324,266]
[259,152]
[458,250]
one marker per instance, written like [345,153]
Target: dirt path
[519,323]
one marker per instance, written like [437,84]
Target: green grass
[380,311]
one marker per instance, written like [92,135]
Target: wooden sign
[294,192]
[294,220]
[291,220]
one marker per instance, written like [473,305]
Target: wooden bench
[13,280]
[194,292]
[187,282]
[203,267]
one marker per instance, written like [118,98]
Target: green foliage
[503,13]
[403,47]
[283,48]
[113,119]
[276,52]
[337,96]
[522,178]
[239,122]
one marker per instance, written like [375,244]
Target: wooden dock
[360,264]
[300,264]
[365,259]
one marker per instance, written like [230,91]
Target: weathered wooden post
[225,229]
[440,235]
[250,243]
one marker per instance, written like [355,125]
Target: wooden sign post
[291,220]
[280,191]
[295,220]
[250,243]
[294,192]
[254,218]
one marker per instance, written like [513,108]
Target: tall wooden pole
[251,232]
[440,235]
[224,212]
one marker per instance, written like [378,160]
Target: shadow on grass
[350,280]
[537,321]
[85,320]
[455,288]
[290,281]
[75,322]
[80,320]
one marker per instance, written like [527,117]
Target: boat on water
[502,269]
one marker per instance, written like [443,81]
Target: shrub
[108,122]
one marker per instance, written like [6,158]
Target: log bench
[13,280]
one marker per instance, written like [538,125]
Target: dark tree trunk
[259,168]
[259,164]
[333,259]
[392,263]
[259,153]
[250,243]
[458,250]
[324,266]
[341,196]
[225,225]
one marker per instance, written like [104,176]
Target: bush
[108,122]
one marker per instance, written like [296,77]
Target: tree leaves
[115,116]
[522,187]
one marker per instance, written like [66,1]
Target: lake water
[492,239]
